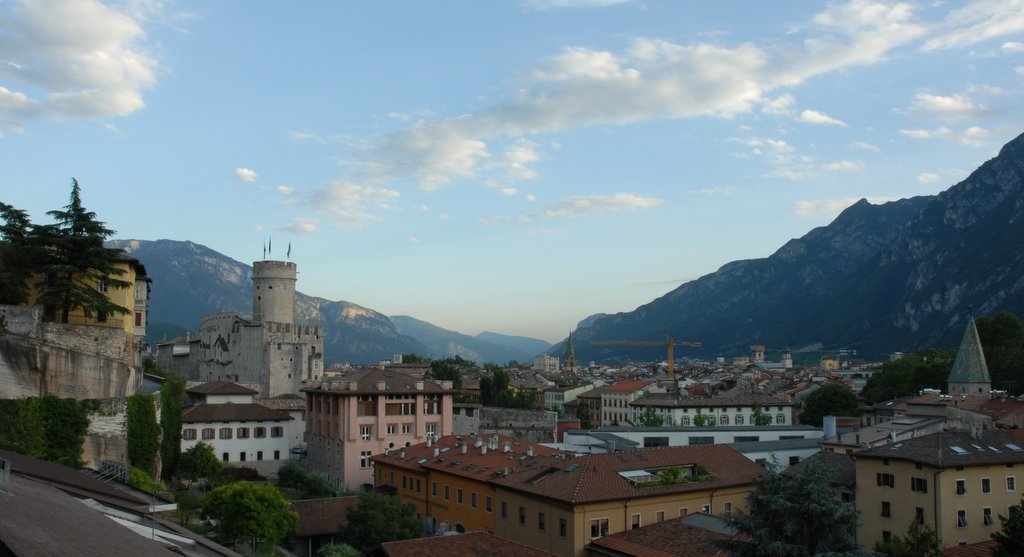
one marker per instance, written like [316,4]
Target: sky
[508,166]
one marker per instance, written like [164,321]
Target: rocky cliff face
[897,276]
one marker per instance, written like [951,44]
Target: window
[542,522]
[101,284]
[702,440]
[277,431]
[242,433]
[725,420]
[728,508]
[685,420]
[224,457]
[780,418]
[919,514]
[886,536]
[458,495]
[366,405]
[885,480]
[404,483]
[433,488]
[522,516]
[1011,483]
[189,434]
[886,509]
[259,455]
[739,419]
[138,319]
[635,522]
[986,485]
[488,503]
[392,428]
[986,516]
[598,528]
[961,518]
[504,510]
[961,487]
[208,433]
[365,459]
[365,431]
[472,499]
[241,457]
[447,492]
[919,484]
[659,516]
[277,455]
[406,429]
[683,512]
[794,460]
[562,528]
[431,428]
[225,433]
[259,432]
[706,509]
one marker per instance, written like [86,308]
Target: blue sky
[508,166]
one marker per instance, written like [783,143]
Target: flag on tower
[270,246]
[289,250]
[264,250]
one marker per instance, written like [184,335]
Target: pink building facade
[365,413]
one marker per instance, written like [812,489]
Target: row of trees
[61,263]
[49,428]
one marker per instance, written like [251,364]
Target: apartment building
[449,479]
[368,412]
[616,399]
[680,410]
[955,482]
[563,504]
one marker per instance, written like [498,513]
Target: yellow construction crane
[667,342]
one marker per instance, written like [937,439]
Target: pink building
[353,418]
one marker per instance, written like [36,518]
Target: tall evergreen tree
[142,432]
[78,266]
[172,395]
[18,259]
[796,514]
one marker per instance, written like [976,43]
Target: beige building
[562,504]
[955,482]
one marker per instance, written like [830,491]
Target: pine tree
[1010,538]
[17,255]
[78,266]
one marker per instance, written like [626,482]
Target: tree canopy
[832,399]
[199,462]
[16,255]
[380,518]
[48,428]
[796,514]
[252,512]
[1010,537]
[1002,340]
[650,418]
[172,395]
[920,541]
[925,369]
[583,414]
[142,432]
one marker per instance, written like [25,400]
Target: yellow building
[449,480]
[562,504]
[956,483]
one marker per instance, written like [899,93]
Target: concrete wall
[533,425]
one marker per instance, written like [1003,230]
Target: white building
[555,398]
[240,431]
[546,364]
[682,410]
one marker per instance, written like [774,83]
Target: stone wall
[533,425]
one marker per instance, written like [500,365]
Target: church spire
[970,372]
[570,356]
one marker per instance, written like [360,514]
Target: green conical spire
[570,354]
[970,366]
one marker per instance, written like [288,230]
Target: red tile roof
[473,543]
[369,381]
[476,463]
[627,386]
[669,538]
[980,549]
[596,477]
[222,388]
[231,412]
[321,517]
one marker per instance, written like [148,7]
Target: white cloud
[843,166]
[1013,47]
[509,191]
[561,4]
[717,190]
[80,58]
[928,177]
[287,191]
[1019,70]
[815,117]
[953,106]
[583,207]
[414,240]
[831,207]
[974,136]
[531,197]
[779,106]
[302,225]
[245,174]
[864,146]
[978,21]
[350,204]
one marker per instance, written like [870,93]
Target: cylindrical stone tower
[273,292]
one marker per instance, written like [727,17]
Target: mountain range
[880,278]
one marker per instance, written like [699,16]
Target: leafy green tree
[830,400]
[142,432]
[583,414]
[338,550]
[702,420]
[921,541]
[412,358]
[172,395]
[1010,537]
[65,423]
[380,518]
[18,256]
[199,462]
[255,513]
[448,370]
[313,485]
[188,506]
[77,264]
[650,418]
[1002,339]
[796,514]
[924,369]
[760,417]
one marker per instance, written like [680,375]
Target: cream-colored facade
[959,488]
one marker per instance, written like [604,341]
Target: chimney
[430,440]
[483,450]
[401,455]
[419,385]
[437,451]
[382,385]
[464,449]
[5,474]
[529,450]
[506,448]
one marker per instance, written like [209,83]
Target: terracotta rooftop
[842,467]
[322,517]
[284,402]
[949,449]
[473,543]
[480,463]
[221,388]
[231,412]
[678,537]
[72,480]
[599,477]
[377,381]
[980,549]
[627,386]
